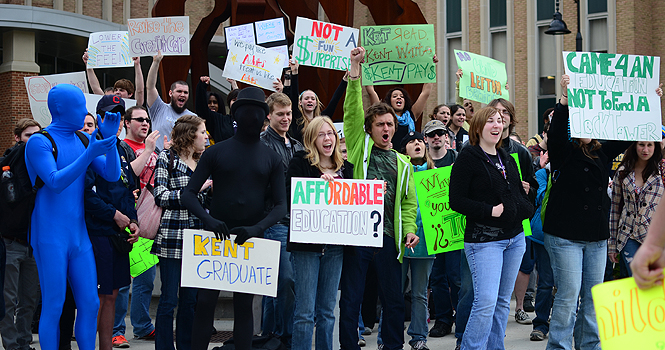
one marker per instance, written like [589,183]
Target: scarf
[405,119]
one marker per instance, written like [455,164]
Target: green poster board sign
[443,227]
[526,223]
[140,259]
[398,54]
[483,79]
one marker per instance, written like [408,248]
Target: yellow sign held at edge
[629,317]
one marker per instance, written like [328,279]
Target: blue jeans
[465,298]
[445,283]
[174,295]
[577,266]
[420,272]
[627,254]
[142,286]
[544,291]
[494,266]
[278,312]
[389,275]
[317,278]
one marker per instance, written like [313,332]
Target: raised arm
[139,93]
[140,162]
[201,99]
[334,101]
[92,77]
[458,99]
[373,96]
[419,106]
[353,105]
[295,129]
[151,81]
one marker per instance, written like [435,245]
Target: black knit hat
[413,135]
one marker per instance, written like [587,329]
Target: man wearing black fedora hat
[245,172]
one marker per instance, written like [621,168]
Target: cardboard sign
[39,86]
[253,64]
[398,54]
[284,51]
[613,96]
[109,49]
[270,30]
[483,78]
[324,45]
[243,32]
[223,265]
[170,35]
[344,212]
[629,317]
[140,259]
[443,227]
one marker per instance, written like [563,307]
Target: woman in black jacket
[485,186]
[317,267]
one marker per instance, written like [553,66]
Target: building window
[596,38]
[547,59]
[453,37]
[498,31]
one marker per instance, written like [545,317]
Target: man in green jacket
[368,136]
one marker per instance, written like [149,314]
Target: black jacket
[272,139]
[301,167]
[476,186]
[578,205]
[220,126]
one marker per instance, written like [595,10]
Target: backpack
[15,212]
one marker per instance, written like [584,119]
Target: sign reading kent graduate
[253,64]
[443,227]
[483,80]
[223,265]
[398,54]
[344,212]
[629,317]
[170,35]
[613,96]
[324,45]
[39,86]
[109,49]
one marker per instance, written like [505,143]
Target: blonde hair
[317,110]
[311,133]
[278,98]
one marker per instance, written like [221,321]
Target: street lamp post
[558,26]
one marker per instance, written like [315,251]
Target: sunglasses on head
[141,120]
[438,132]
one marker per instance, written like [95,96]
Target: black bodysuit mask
[250,121]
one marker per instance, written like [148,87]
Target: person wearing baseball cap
[110,103]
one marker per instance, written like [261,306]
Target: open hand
[109,126]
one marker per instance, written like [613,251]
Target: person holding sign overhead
[317,267]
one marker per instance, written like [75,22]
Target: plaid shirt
[175,217]
[631,211]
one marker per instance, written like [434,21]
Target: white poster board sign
[270,30]
[109,50]
[243,32]
[344,212]
[613,96]
[253,64]
[39,86]
[223,265]
[324,45]
[170,35]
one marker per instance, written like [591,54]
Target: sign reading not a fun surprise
[483,78]
[210,263]
[324,45]
[613,96]
[398,54]
[344,212]
[170,35]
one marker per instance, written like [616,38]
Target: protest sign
[170,35]
[243,32]
[284,51]
[339,127]
[324,45]
[270,30]
[629,317]
[253,64]
[345,212]
[526,223]
[39,86]
[210,263]
[483,78]
[140,259]
[613,96]
[398,54]
[109,49]
[443,227]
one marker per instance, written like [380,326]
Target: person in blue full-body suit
[59,237]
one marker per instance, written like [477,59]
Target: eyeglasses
[330,134]
[437,132]
[141,120]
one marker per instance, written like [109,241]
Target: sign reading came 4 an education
[483,78]
[613,96]
[398,54]
[324,45]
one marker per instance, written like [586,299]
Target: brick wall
[69,5]
[12,86]
[521,88]
[117,13]
[139,9]
[43,3]
[92,8]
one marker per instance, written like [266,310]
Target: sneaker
[367,331]
[379,346]
[149,336]
[439,330]
[362,342]
[521,317]
[537,335]
[419,345]
[528,305]
[458,347]
[120,341]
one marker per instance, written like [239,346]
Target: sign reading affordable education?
[629,317]
[109,49]
[324,45]
[398,54]
[253,64]
[210,263]
[613,96]
[344,212]
[170,35]
[483,79]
